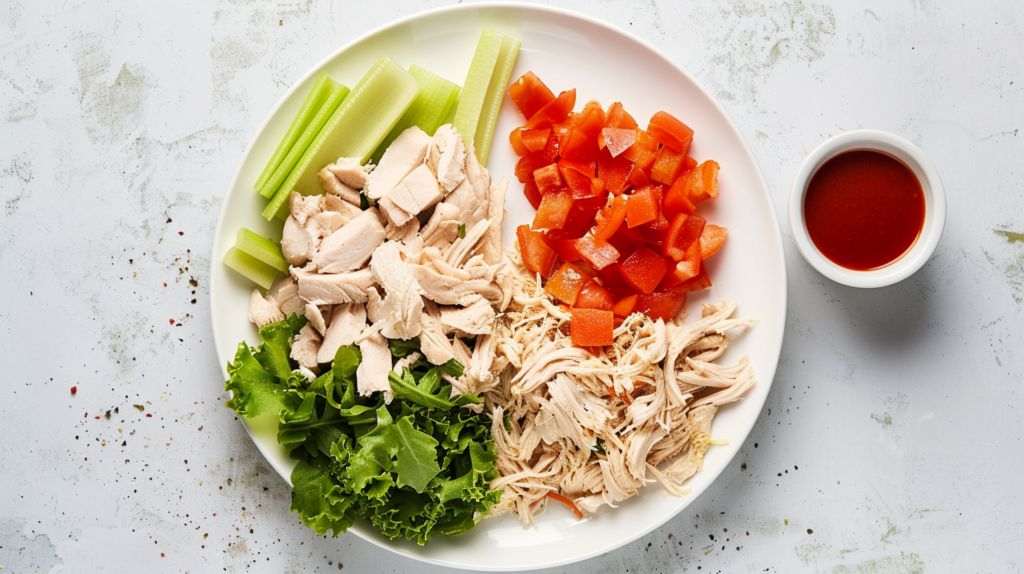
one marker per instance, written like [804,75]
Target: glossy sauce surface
[864,209]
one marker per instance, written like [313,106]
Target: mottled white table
[891,441]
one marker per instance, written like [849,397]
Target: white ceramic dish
[934,216]
[566,50]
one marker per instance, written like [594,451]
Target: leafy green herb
[415,468]
[400,348]
[462,231]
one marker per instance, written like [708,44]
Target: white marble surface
[891,441]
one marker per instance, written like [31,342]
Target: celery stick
[474,90]
[266,250]
[449,118]
[255,270]
[310,106]
[337,94]
[355,129]
[427,111]
[495,95]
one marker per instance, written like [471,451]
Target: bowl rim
[935,207]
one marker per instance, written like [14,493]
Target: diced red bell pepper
[624,307]
[611,279]
[617,117]
[661,305]
[516,139]
[655,231]
[591,328]
[579,223]
[590,120]
[533,161]
[536,255]
[643,152]
[581,184]
[643,205]
[565,248]
[555,111]
[638,178]
[553,211]
[683,231]
[532,193]
[686,269]
[701,182]
[677,198]
[610,218]
[548,179]
[615,171]
[644,269]
[711,240]
[561,131]
[668,165]
[617,140]
[530,94]
[626,240]
[594,296]
[594,202]
[670,132]
[535,140]
[585,167]
[579,146]
[701,281]
[598,252]
[566,284]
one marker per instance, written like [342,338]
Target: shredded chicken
[263,310]
[598,427]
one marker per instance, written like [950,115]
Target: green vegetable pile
[416,467]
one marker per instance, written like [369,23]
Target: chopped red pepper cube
[638,178]
[590,120]
[579,222]
[661,305]
[533,161]
[617,117]
[624,307]
[534,140]
[668,165]
[553,211]
[594,296]
[643,152]
[610,218]
[701,182]
[592,328]
[670,132]
[548,179]
[532,193]
[643,205]
[618,140]
[677,198]
[711,240]
[530,94]
[598,252]
[555,111]
[683,231]
[565,248]
[585,167]
[655,231]
[536,255]
[516,139]
[644,269]
[566,284]
[615,171]
[579,145]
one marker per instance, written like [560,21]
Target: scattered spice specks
[74,390]
[181,233]
[172,321]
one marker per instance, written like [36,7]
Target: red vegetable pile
[615,231]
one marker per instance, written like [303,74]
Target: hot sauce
[864,209]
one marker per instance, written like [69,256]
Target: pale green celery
[337,93]
[253,269]
[449,118]
[474,90]
[266,250]
[310,106]
[495,95]
[355,129]
[427,111]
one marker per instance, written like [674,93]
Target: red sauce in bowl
[864,209]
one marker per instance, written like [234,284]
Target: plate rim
[609,28]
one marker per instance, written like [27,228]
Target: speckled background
[891,441]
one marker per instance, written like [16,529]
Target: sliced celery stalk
[336,94]
[427,111]
[310,106]
[266,250]
[474,90]
[355,129]
[450,117]
[255,270]
[495,95]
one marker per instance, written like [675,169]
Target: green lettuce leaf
[277,345]
[254,391]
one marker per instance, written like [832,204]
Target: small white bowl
[934,198]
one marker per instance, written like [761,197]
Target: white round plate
[566,50]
